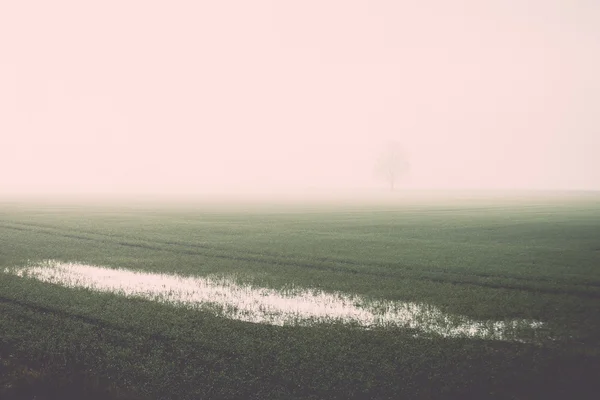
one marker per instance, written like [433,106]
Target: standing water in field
[226,298]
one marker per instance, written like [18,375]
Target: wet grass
[536,259]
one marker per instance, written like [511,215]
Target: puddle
[227,298]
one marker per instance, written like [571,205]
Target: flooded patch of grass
[229,298]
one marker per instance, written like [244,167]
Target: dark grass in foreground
[487,259]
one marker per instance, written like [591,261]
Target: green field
[533,257]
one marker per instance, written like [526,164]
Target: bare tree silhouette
[392,164]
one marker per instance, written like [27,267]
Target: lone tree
[392,164]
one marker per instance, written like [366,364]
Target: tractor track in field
[106,326]
[345,266]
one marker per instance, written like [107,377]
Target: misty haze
[317,199]
[283,97]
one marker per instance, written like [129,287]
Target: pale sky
[282,95]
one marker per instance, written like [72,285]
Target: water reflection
[226,297]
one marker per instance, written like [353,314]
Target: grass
[501,259]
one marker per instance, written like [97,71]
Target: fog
[289,97]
